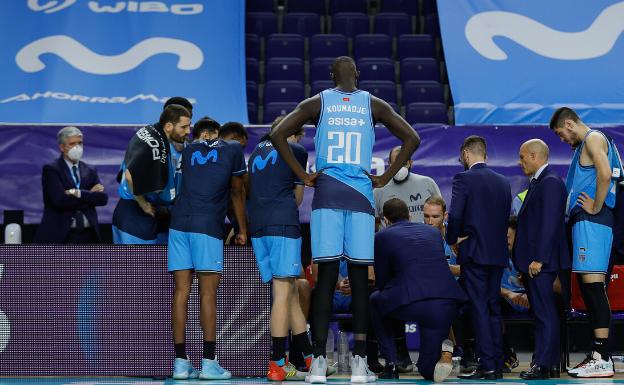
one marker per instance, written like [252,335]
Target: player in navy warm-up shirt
[211,175]
[342,220]
[274,194]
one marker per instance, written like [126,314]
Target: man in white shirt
[413,189]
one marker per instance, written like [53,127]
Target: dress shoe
[536,373]
[479,374]
[555,371]
[374,366]
[390,372]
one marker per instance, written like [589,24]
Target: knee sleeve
[595,297]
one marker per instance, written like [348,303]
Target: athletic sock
[601,345]
[209,350]
[279,348]
[302,342]
[180,350]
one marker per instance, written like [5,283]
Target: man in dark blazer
[71,191]
[414,284]
[477,221]
[540,251]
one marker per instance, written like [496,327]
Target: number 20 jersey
[344,140]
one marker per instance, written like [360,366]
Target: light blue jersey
[344,140]
[342,222]
[583,178]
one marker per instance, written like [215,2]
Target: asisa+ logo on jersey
[259,163]
[201,159]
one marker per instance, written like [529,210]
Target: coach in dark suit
[415,284]
[540,251]
[71,191]
[477,220]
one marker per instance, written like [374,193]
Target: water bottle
[343,352]
[329,347]
[13,234]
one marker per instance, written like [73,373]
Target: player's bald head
[344,68]
[537,147]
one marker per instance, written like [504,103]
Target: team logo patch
[582,254]
[346,99]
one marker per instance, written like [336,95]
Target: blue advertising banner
[111,62]
[515,62]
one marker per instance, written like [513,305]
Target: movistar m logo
[260,163]
[197,156]
[415,198]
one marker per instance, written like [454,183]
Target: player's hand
[587,204]
[519,299]
[97,188]
[534,269]
[240,239]
[455,247]
[344,287]
[147,208]
[310,179]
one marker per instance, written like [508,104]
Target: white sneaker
[359,371]
[444,366]
[593,367]
[318,371]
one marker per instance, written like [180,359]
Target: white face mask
[75,153]
[401,175]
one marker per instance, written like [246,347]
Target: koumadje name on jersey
[347,108]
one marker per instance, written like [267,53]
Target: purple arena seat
[284,69]
[305,24]
[372,45]
[276,91]
[419,69]
[393,24]
[328,45]
[415,46]
[426,113]
[285,45]
[350,24]
[261,23]
[415,91]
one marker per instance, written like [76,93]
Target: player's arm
[596,150]
[383,113]
[299,190]
[305,111]
[237,194]
[140,199]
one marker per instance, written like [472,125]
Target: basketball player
[274,194]
[212,174]
[591,198]
[343,221]
[147,177]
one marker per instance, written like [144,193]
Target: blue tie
[76,177]
[80,223]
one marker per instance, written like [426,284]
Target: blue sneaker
[183,369]
[211,370]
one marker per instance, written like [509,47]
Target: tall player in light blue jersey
[343,221]
[591,185]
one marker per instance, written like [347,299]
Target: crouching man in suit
[414,284]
